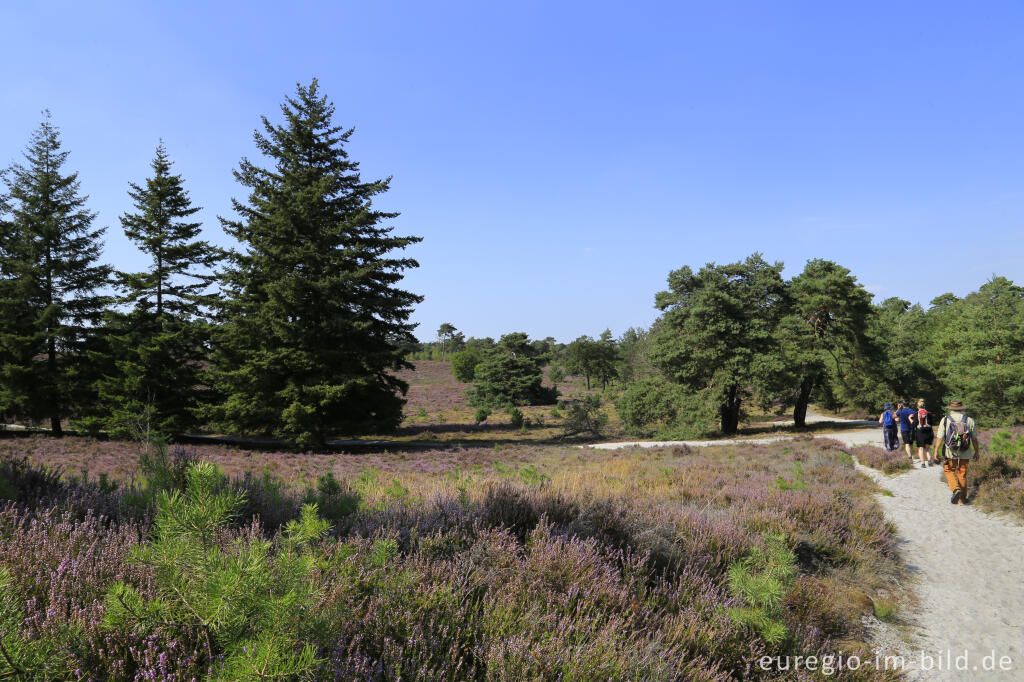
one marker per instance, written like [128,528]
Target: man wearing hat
[959,436]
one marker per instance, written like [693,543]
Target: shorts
[907,436]
[924,436]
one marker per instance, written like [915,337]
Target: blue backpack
[887,418]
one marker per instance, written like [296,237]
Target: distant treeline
[736,333]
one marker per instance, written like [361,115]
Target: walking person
[959,438]
[923,434]
[903,417]
[888,422]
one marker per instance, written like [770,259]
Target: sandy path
[965,567]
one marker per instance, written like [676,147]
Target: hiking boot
[964,499]
[956,496]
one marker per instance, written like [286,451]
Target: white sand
[966,569]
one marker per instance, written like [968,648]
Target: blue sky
[559,159]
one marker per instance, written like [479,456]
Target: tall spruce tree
[313,324]
[158,343]
[51,297]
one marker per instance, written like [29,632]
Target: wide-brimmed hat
[887,406]
[956,406]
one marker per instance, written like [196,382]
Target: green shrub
[516,417]
[584,416]
[1006,444]
[464,364]
[482,413]
[647,405]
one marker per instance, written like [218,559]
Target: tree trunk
[800,408]
[730,411]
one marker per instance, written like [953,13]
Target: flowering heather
[877,458]
[523,562]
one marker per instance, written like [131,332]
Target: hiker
[903,415]
[959,436]
[888,422]
[923,434]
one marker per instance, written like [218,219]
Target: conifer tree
[313,324]
[158,344]
[50,297]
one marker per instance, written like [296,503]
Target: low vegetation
[524,562]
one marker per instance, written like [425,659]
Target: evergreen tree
[717,334]
[50,283]
[158,345]
[824,333]
[313,324]
[981,351]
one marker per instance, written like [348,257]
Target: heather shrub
[23,657]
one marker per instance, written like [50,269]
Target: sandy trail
[966,568]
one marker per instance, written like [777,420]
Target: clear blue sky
[559,159]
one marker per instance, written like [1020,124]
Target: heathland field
[499,561]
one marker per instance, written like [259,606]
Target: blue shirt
[903,414]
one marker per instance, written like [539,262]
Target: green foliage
[158,344]
[314,326]
[647,405]
[516,418]
[253,605]
[762,579]
[556,374]
[464,364]
[482,413]
[584,416]
[823,333]
[980,352]
[511,374]
[1006,444]
[333,500]
[592,358]
[717,331]
[530,475]
[796,483]
[885,609]
[50,288]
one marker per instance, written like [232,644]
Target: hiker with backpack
[959,438]
[923,434]
[888,421]
[903,416]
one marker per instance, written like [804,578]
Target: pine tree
[716,336]
[824,332]
[313,324]
[158,345]
[50,297]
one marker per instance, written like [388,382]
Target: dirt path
[966,569]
